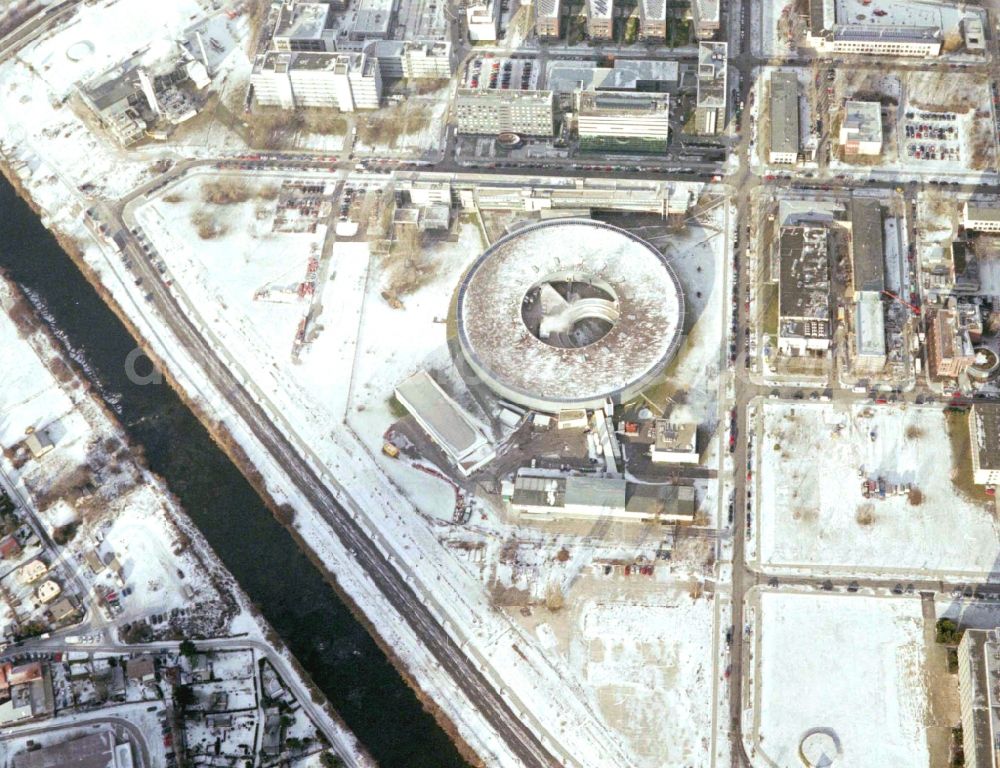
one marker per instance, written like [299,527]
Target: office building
[483,20]
[867,245]
[979,696]
[547,18]
[344,81]
[984,434]
[705,14]
[861,128]
[600,19]
[981,217]
[304,27]
[869,334]
[876,35]
[710,105]
[653,20]
[784,124]
[374,20]
[527,113]
[632,122]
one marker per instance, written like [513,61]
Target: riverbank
[217,428]
[131,502]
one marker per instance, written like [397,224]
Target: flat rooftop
[623,103]
[600,9]
[547,9]
[869,325]
[804,273]
[863,120]
[987,416]
[303,21]
[784,112]
[374,18]
[712,63]
[867,243]
[441,416]
[93,751]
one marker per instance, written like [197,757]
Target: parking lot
[932,136]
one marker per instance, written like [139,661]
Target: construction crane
[913,308]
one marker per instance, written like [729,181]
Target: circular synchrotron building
[568,314]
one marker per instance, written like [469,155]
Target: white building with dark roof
[630,121]
[984,433]
[784,118]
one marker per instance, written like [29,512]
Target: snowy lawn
[847,663]
[815,514]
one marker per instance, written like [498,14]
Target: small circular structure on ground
[508,139]
[569,313]
[820,748]
[986,366]
[80,50]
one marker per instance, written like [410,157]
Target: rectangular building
[600,19]
[981,217]
[869,333]
[544,495]
[973,34]
[984,434]
[424,59]
[653,20]
[489,112]
[949,347]
[374,20]
[861,128]
[344,81]
[978,672]
[629,122]
[547,19]
[483,20]
[784,112]
[710,104]
[304,27]
[867,245]
[804,301]
[879,40]
[445,422]
[705,14]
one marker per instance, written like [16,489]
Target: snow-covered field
[649,665]
[846,663]
[814,514]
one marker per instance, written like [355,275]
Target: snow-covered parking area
[848,665]
[816,514]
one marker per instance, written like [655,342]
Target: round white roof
[618,283]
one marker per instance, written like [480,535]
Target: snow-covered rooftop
[640,298]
